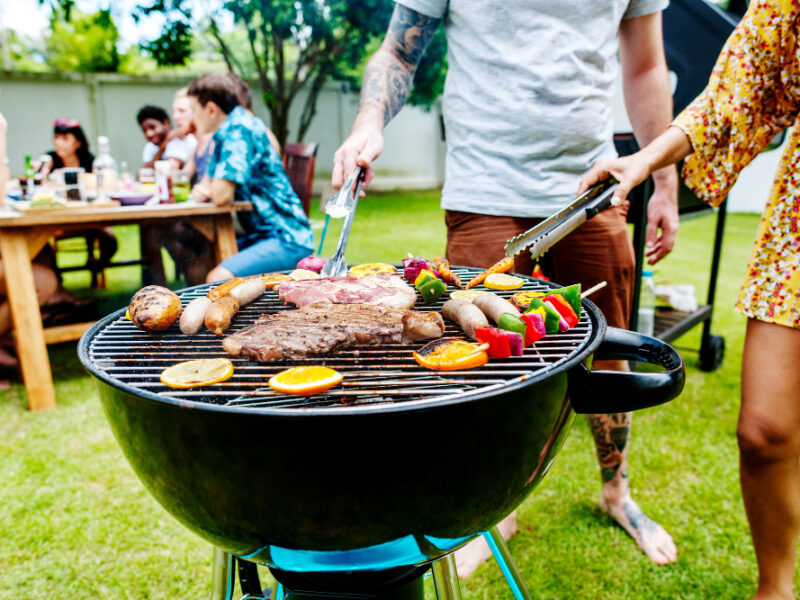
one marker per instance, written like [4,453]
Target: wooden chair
[299,160]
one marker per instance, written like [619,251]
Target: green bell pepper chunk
[513,323]
[572,294]
[431,290]
[424,277]
[550,315]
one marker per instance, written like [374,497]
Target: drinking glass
[180,186]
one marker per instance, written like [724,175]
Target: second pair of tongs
[540,238]
[344,205]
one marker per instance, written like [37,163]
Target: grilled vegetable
[572,294]
[311,263]
[449,354]
[515,342]
[443,266]
[372,269]
[248,291]
[558,302]
[154,308]
[499,267]
[511,322]
[538,274]
[468,316]
[432,290]
[219,314]
[523,299]
[549,315]
[424,277]
[412,267]
[193,315]
[534,327]
[499,346]
[494,306]
[224,289]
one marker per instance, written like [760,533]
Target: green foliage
[84,42]
[289,45]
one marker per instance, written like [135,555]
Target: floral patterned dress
[754,93]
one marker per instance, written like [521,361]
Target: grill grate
[372,374]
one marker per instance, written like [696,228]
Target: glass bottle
[105,168]
[125,176]
[29,182]
[647,304]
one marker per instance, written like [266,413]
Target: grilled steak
[381,290]
[321,328]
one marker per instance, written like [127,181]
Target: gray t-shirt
[528,98]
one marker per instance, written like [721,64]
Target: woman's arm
[667,149]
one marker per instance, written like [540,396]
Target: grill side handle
[622,391]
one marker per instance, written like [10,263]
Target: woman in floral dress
[753,93]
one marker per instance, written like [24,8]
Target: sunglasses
[66,123]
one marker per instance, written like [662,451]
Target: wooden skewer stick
[592,290]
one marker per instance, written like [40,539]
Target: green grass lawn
[76,523]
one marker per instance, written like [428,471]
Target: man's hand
[662,221]
[362,146]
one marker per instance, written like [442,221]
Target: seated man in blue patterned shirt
[245,166]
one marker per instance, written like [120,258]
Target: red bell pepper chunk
[564,309]
[534,327]
[499,346]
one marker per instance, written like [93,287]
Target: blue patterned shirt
[244,155]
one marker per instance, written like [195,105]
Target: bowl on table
[131,198]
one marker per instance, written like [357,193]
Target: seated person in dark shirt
[163,142]
[245,166]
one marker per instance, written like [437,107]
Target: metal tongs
[344,205]
[540,238]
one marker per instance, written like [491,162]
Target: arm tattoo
[390,72]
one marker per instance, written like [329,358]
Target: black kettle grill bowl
[369,488]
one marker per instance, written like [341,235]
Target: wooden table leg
[225,245]
[28,330]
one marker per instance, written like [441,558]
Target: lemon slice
[305,381]
[194,373]
[502,281]
[468,295]
[299,274]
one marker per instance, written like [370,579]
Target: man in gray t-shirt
[527,110]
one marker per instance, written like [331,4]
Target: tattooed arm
[384,89]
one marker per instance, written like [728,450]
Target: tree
[292,45]
[84,42]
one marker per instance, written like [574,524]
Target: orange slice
[194,373]
[272,279]
[449,354]
[502,281]
[305,381]
[468,295]
[376,268]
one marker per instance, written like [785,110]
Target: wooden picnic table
[24,234]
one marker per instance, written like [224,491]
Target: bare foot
[6,360]
[477,552]
[654,541]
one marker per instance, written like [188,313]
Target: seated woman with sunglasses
[72,151]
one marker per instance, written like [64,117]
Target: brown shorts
[599,250]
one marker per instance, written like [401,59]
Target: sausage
[249,290]
[218,316]
[493,306]
[468,316]
[193,315]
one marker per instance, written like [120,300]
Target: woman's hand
[629,171]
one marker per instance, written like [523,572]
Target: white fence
[413,155]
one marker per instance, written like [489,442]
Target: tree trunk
[280,122]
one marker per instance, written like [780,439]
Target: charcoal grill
[358,489]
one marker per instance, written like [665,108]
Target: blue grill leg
[506,563]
